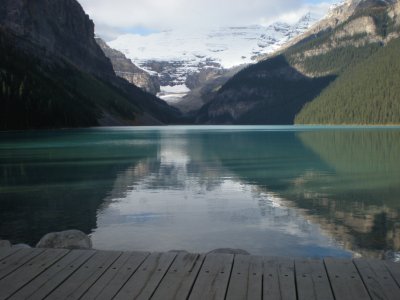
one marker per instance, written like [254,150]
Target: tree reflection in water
[272,190]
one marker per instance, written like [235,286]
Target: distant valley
[184,60]
[342,68]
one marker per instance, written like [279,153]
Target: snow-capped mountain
[176,54]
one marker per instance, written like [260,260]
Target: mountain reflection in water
[295,191]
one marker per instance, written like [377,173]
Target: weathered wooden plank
[83,278]
[50,279]
[116,276]
[271,288]
[6,252]
[246,278]
[312,280]
[345,280]
[394,269]
[145,280]
[16,280]
[212,281]
[16,260]
[279,279]
[379,282]
[178,281]
[79,274]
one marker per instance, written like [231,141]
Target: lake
[270,190]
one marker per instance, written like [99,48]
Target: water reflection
[194,197]
[200,218]
[53,181]
[360,204]
[270,190]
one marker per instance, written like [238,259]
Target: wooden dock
[90,274]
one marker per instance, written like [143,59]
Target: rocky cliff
[125,68]
[54,74]
[60,28]
[355,24]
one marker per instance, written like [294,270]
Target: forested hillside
[270,92]
[36,95]
[350,59]
[53,74]
[368,93]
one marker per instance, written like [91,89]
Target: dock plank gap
[92,274]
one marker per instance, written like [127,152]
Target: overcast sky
[113,17]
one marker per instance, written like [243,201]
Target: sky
[115,17]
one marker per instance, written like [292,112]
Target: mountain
[125,68]
[368,93]
[207,82]
[341,71]
[184,59]
[53,74]
[270,92]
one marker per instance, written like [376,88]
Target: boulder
[229,251]
[392,256]
[69,239]
[5,244]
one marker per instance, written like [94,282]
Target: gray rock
[392,256]
[61,27]
[126,69]
[5,244]
[21,246]
[229,251]
[70,239]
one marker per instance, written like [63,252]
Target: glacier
[175,54]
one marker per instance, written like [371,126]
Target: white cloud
[293,15]
[113,16]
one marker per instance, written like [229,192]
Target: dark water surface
[295,191]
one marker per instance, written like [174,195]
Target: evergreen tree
[368,93]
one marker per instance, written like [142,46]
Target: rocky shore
[69,239]
[75,239]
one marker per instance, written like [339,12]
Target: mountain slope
[278,92]
[349,37]
[38,95]
[58,28]
[369,93]
[207,84]
[125,68]
[53,73]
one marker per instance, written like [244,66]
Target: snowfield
[175,54]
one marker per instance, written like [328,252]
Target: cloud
[293,15]
[116,16]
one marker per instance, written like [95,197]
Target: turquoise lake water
[280,190]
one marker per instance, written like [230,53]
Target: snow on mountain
[176,54]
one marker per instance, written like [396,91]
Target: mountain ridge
[53,74]
[347,38]
[125,68]
[179,57]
